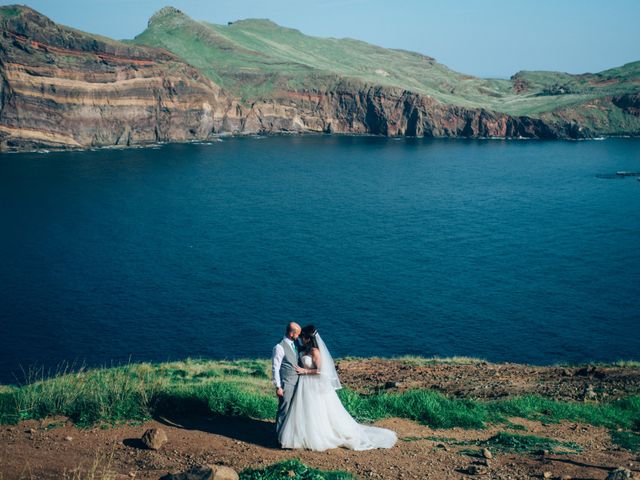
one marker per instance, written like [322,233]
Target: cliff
[64,88]
[183,80]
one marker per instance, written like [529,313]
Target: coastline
[259,135]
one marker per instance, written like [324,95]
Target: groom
[283,362]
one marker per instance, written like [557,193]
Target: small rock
[486,453]
[132,474]
[154,438]
[291,473]
[589,394]
[220,472]
[566,477]
[547,475]
[620,473]
[68,439]
[31,431]
[477,470]
[195,473]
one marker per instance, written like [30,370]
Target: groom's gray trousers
[289,380]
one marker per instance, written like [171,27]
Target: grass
[99,469]
[624,412]
[137,392]
[257,58]
[618,363]
[427,407]
[504,442]
[627,440]
[294,470]
[514,443]
[507,442]
[457,360]
[9,11]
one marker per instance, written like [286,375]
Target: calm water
[504,250]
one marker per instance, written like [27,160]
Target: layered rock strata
[63,88]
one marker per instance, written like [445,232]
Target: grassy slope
[253,57]
[242,388]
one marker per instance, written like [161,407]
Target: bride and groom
[310,414]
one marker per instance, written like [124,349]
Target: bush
[294,470]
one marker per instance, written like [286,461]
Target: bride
[317,420]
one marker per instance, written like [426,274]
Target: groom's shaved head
[293,330]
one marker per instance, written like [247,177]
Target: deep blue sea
[506,250]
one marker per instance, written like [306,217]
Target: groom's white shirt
[276,361]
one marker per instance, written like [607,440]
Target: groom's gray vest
[288,375]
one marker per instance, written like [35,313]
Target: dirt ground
[491,380]
[53,448]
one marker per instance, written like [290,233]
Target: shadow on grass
[257,432]
[194,413]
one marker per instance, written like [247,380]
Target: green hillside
[254,58]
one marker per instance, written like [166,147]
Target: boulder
[154,438]
[620,473]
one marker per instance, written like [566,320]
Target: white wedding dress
[317,420]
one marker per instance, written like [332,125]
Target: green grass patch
[514,443]
[292,469]
[199,387]
[424,406]
[428,437]
[421,361]
[10,12]
[623,413]
[626,440]
[507,443]
[54,425]
[627,364]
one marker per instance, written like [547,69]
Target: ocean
[520,251]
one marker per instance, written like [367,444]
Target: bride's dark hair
[310,332]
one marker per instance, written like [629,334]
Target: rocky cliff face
[63,88]
[384,111]
[60,88]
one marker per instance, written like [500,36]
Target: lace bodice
[307,361]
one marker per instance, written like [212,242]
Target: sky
[487,38]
